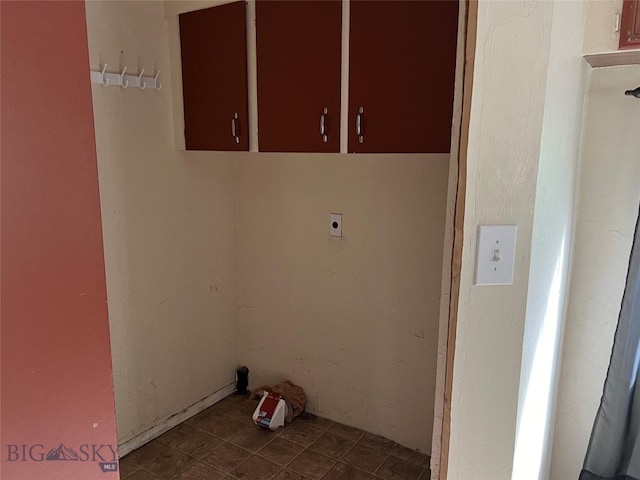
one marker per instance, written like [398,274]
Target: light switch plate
[496,254]
[335,224]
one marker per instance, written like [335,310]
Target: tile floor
[222,443]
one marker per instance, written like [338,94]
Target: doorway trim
[455,231]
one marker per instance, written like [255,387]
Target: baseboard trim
[171,421]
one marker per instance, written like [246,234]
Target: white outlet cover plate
[337,231]
[496,254]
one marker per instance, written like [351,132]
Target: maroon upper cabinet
[402,57]
[630,24]
[298,54]
[213,44]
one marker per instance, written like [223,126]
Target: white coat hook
[141,83]
[123,82]
[104,69]
[158,84]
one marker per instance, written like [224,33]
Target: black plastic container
[242,381]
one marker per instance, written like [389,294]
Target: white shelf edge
[115,79]
[610,59]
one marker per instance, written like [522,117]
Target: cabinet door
[213,43]
[401,75]
[298,53]
[630,24]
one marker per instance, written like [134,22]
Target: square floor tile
[190,440]
[243,409]
[397,469]
[252,438]
[255,468]
[289,475]
[315,421]
[224,427]
[142,475]
[126,467]
[226,457]
[204,419]
[378,442]
[412,456]
[311,464]
[226,405]
[283,428]
[161,460]
[342,471]
[301,433]
[201,471]
[426,475]
[148,450]
[365,458]
[332,445]
[346,431]
[281,451]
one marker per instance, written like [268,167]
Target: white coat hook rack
[124,83]
[104,78]
[141,83]
[158,85]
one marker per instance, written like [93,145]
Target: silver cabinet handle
[234,127]
[359,125]
[322,125]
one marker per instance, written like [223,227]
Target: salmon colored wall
[56,383]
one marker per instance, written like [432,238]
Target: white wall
[552,240]
[354,320]
[169,232]
[609,195]
[508,134]
[510,78]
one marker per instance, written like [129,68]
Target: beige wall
[169,232]
[354,320]
[609,195]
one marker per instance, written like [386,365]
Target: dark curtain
[614,447]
